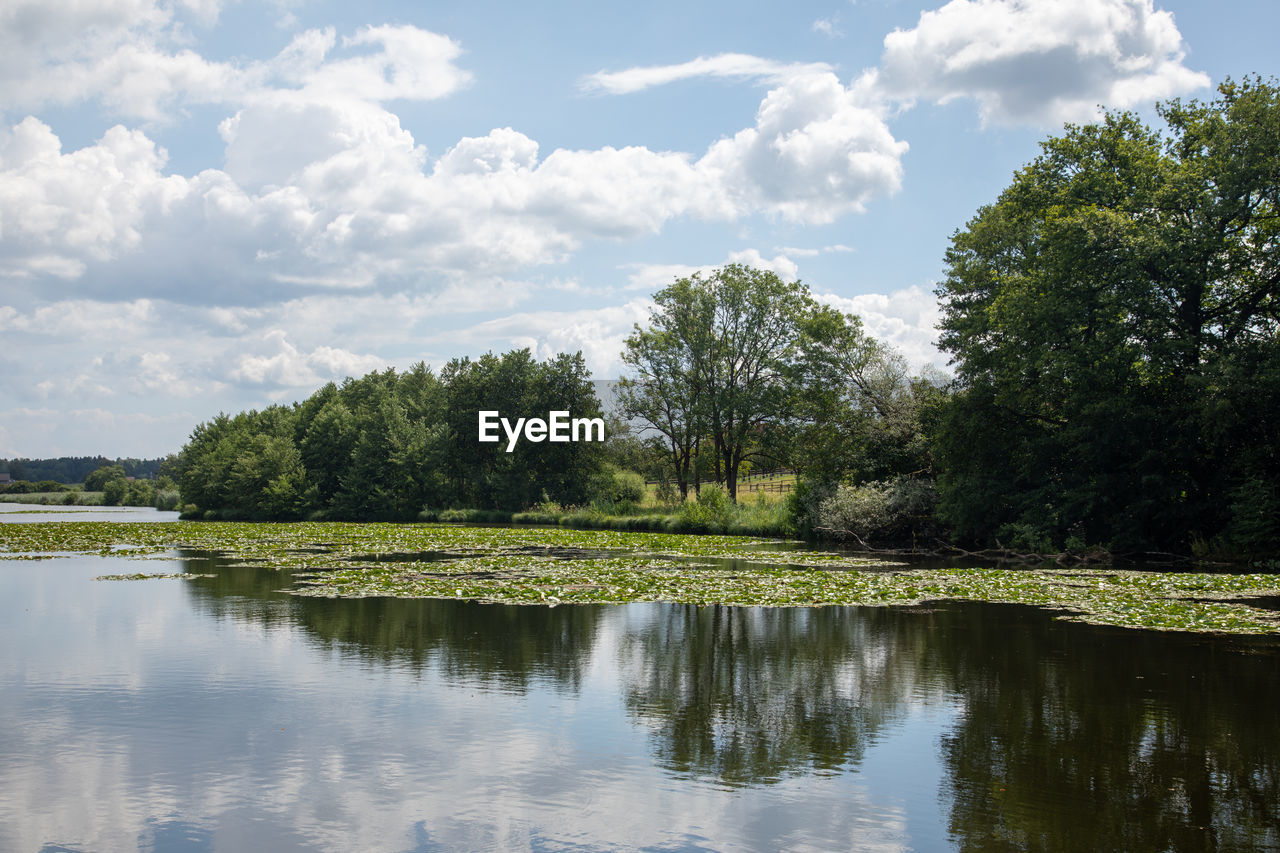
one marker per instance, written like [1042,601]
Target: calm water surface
[221,714]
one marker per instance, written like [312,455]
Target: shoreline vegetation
[1112,326]
[1111,320]
[517,565]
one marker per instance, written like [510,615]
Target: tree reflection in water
[749,695]
[1066,736]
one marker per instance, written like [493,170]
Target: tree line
[391,445]
[70,470]
[1113,323]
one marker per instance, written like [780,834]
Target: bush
[628,486]
[895,510]
[113,491]
[711,512]
[666,494]
[166,500]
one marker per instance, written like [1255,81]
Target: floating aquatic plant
[561,566]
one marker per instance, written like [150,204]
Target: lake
[220,713]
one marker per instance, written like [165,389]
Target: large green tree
[1113,319]
[721,363]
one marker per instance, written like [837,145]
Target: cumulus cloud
[129,55]
[1039,61]
[597,332]
[906,319]
[58,211]
[336,194]
[818,150]
[654,277]
[781,265]
[283,366]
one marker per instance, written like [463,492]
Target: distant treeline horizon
[70,470]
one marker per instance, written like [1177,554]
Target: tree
[721,362]
[1114,319]
[103,475]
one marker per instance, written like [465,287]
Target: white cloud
[337,195]
[906,319]
[58,211]
[829,27]
[130,56]
[82,319]
[818,150]
[739,66]
[654,277]
[283,366]
[597,332]
[1039,61]
[781,265]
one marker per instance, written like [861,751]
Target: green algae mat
[550,566]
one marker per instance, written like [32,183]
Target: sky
[209,205]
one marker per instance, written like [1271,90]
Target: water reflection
[1069,737]
[1092,739]
[222,713]
[504,647]
[748,695]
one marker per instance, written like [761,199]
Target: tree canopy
[722,364]
[389,445]
[1114,320]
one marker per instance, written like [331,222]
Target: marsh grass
[545,566]
[54,498]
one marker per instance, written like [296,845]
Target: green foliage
[628,486]
[76,469]
[890,511]
[711,512]
[486,475]
[386,445]
[1114,320]
[665,494]
[720,369]
[103,475]
[114,491]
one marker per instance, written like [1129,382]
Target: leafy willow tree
[1114,319]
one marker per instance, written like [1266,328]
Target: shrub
[113,491]
[894,510]
[628,486]
[666,494]
[166,500]
[711,512]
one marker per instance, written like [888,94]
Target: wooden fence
[779,482]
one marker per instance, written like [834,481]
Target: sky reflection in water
[219,714]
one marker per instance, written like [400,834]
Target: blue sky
[209,205]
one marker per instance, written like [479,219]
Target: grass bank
[68,498]
[710,513]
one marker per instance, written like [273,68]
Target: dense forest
[74,469]
[391,445]
[1113,322]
